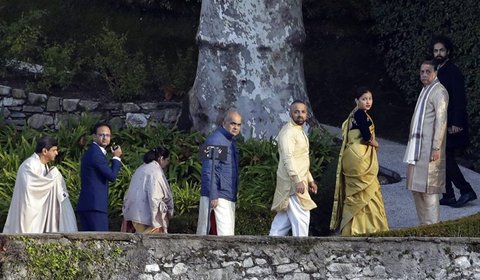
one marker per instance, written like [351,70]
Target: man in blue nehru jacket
[95,173]
[223,196]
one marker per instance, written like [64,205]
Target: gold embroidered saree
[358,203]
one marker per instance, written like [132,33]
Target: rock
[285,268]
[116,123]
[35,99]
[39,121]
[32,109]
[18,93]
[10,101]
[179,268]
[149,106]
[152,268]
[53,104]
[66,119]
[137,120]
[5,112]
[5,91]
[87,105]
[130,107]
[70,105]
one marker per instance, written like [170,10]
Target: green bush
[22,40]
[178,73]
[58,67]
[404,30]
[124,74]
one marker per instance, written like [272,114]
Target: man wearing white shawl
[425,154]
[40,200]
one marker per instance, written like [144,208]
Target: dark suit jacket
[452,79]
[95,174]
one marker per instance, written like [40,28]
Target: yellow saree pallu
[358,203]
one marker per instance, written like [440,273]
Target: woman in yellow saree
[358,203]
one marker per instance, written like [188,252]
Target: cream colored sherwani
[425,175]
[40,201]
[293,167]
[426,178]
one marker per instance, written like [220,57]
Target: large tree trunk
[249,58]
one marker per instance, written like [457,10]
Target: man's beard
[299,121]
[440,59]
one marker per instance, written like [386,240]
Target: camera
[114,146]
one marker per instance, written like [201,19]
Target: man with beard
[292,200]
[457,124]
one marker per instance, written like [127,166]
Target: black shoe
[448,200]
[464,198]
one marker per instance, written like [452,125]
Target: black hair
[433,63]
[155,154]
[46,142]
[361,91]
[298,101]
[445,41]
[101,124]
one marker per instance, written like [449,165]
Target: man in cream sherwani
[40,200]
[292,200]
[425,154]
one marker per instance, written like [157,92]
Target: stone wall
[39,111]
[132,256]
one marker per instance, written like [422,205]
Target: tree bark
[250,58]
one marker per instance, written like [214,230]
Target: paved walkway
[398,200]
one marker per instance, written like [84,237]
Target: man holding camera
[95,172]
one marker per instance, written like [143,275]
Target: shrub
[179,74]
[22,40]
[58,67]
[124,74]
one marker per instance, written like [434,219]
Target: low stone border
[39,111]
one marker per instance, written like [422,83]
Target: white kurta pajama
[293,209]
[426,178]
[149,200]
[40,201]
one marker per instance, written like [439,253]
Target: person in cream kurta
[292,200]
[40,200]
[425,154]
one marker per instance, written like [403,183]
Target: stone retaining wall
[39,111]
[132,256]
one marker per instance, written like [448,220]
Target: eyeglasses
[103,135]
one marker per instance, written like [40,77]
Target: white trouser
[428,209]
[224,216]
[294,218]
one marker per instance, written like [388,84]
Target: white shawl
[40,201]
[415,140]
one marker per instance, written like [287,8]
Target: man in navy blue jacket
[95,172]
[457,121]
[223,196]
